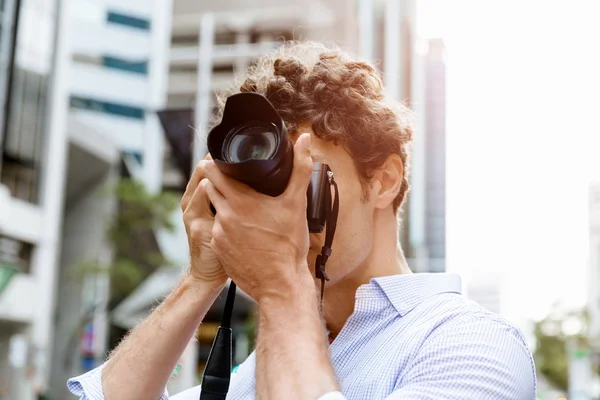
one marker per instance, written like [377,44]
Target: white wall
[95,10]
[45,257]
[594,259]
[36,25]
[100,38]
[127,133]
[83,30]
[21,220]
[17,302]
[140,8]
[154,140]
[84,239]
[93,36]
[107,84]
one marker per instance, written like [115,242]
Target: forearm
[292,349]
[142,364]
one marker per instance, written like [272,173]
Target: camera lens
[252,141]
[251,144]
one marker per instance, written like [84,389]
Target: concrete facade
[89,76]
[435,133]
[593,302]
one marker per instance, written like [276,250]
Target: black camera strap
[217,373]
[330,225]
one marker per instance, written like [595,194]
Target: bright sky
[523,130]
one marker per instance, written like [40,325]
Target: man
[387,333]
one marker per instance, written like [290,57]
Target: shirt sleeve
[89,385]
[474,358]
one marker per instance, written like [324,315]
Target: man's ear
[387,181]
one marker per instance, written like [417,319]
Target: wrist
[298,289]
[205,283]
[199,291]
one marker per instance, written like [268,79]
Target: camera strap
[330,225]
[217,373]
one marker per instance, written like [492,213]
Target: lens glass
[250,142]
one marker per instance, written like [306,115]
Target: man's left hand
[262,241]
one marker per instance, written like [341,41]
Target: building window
[24,123]
[20,177]
[139,157]
[106,107]
[128,20]
[135,66]
[15,253]
[131,66]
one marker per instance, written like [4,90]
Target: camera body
[251,144]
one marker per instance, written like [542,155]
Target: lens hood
[268,176]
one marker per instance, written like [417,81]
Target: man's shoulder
[461,332]
[466,347]
[454,312]
[463,308]
[468,328]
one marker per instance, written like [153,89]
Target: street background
[104,105]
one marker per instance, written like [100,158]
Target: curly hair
[340,97]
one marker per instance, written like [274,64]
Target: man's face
[353,237]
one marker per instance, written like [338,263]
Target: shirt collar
[406,291]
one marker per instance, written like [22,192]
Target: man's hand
[199,223]
[262,241]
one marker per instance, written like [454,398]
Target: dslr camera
[251,144]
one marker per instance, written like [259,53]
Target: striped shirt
[410,337]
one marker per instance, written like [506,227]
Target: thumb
[303,166]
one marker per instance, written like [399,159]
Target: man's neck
[385,259]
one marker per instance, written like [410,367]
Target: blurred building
[30,193]
[593,303]
[435,165]
[484,289]
[79,87]
[117,55]
[414,72]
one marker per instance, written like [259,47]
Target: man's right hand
[199,221]
[142,364]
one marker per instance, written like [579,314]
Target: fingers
[205,194]
[199,203]
[196,196]
[191,188]
[214,196]
[303,166]
[197,176]
[228,187]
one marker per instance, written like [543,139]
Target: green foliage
[131,235]
[140,210]
[552,335]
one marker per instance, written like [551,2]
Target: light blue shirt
[410,337]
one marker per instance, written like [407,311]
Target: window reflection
[24,123]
